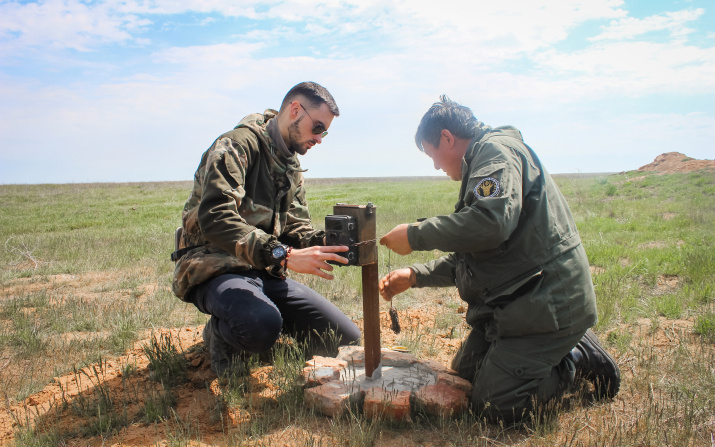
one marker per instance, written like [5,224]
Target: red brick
[396,358]
[354,355]
[455,382]
[320,370]
[332,399]
[441,399]
[387,404]
[326,361]
[434,366]
[318,375]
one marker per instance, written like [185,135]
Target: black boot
[225,360]
[594,364]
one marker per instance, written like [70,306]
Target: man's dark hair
[314,94]
[446,114]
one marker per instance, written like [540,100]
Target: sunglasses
[318,127]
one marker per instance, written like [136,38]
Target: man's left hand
[313,260]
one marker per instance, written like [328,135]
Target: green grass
[166,363]
[85,271]
[648,227]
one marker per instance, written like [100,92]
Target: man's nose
[319,138]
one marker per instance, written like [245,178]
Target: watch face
[279,252]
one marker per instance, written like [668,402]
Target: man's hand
[397,281]
[312,260]
[396,240]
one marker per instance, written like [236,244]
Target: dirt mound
[670,162]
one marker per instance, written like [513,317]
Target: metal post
[371,317]
[366,218]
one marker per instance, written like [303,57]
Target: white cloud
[230,8]
[209,57]
[63,24]
[630,27]
[495,29]
[500,29]
[635,68]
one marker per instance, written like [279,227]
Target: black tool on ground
[395,321]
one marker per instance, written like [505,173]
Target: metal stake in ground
[371,319]
[356,226]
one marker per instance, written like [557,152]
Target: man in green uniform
[246,223]
[516,258]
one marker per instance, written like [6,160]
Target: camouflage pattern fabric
[247,197]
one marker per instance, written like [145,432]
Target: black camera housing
[342,230]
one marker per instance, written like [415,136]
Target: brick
[354,355]
[455,382]
[391,405]
[434,366]
[397,359]
[318,375]
[441,399]
[393,397]
[331,399]
[326,361]
[320,370]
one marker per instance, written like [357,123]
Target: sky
[137,90]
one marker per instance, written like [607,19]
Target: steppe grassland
[649,239]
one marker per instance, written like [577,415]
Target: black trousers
[250,310]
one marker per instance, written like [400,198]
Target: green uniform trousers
[512,374]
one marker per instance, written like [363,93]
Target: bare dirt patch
[653,244]
[667,283]
[596,270]
[671,162]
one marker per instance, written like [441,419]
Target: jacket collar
[258,124]
[275,134]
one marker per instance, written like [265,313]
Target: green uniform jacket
[246,198]
[517,258]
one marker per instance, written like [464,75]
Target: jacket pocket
[466,280]
[527,310]
[512,286]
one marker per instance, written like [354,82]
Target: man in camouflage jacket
[516,258]
[246,223]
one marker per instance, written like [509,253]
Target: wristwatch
[278,254]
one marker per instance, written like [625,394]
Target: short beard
[294,144]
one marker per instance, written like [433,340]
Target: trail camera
[354,226]
[342,230]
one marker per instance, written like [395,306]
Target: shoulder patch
[487,187]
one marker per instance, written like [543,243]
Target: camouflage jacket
[516,255]
[247,197]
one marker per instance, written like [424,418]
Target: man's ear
[294,110]
[448,137]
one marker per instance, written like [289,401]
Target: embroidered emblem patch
[487,187]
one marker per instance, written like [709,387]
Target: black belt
[179,253]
